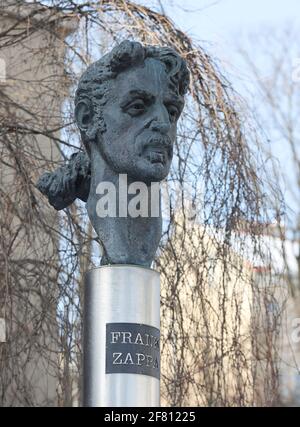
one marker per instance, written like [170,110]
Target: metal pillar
[121,365]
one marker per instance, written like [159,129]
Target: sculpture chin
[152,167]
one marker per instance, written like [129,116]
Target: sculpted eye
[136,107]
[173,112]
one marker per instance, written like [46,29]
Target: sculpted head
[127,105]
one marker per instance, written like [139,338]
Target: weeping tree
[219,335]
[275,77]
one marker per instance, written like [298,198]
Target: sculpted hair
[72,180]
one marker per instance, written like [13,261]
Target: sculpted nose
[159,126]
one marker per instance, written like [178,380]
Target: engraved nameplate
[132,348]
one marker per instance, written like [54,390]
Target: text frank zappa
[132,348]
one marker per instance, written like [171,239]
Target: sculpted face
[141,116]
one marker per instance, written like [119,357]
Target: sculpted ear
[84,114]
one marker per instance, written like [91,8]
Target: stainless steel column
[118,294]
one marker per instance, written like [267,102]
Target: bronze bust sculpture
[127,106]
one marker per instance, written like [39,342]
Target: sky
[218,20]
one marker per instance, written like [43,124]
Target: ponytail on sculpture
[67,183]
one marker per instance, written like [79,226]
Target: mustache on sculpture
[158,141]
